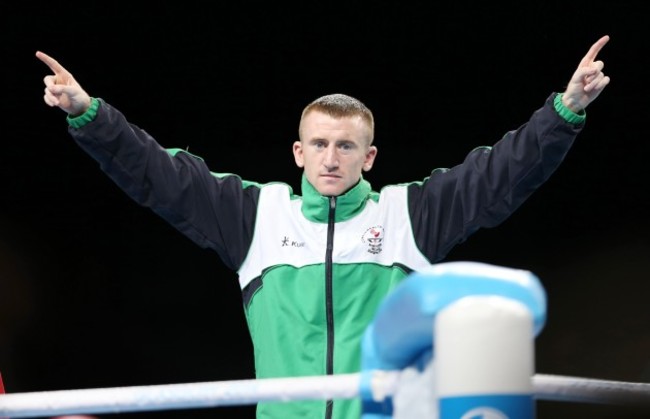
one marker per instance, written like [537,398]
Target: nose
[331,159]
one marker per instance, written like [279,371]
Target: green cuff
[86,117]
[566,113]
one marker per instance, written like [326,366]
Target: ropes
[590,390]
[247,392]
[177,396]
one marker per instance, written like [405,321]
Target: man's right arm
[215,211]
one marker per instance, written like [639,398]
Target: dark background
[96,291]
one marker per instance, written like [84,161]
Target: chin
[329,191]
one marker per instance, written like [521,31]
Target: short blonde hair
[338,105]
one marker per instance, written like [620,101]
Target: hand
[62,90]
[588,81]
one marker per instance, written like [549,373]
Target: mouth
[330,179]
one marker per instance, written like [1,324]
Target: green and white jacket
[313,269]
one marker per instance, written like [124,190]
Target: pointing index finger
[50,62]
[594,50]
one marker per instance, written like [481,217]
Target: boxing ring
[455,341]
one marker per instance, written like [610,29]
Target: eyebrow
[338,141]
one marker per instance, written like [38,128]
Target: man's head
[335,146]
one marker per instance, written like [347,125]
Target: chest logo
[291,243]
[374,238]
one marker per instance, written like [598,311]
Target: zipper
[329,309]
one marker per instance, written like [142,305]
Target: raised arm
[61,89]
[588,81]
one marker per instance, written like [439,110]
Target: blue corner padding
[401,334]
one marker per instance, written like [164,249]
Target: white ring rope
[590,390]
[178,396]
[248,392]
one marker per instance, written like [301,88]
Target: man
[314,267]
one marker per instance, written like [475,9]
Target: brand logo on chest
[286,241]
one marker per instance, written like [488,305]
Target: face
[333,151]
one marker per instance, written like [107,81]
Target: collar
[315,207]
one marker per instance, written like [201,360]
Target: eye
[346,147]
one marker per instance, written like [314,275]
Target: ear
[297,154]
[370,158]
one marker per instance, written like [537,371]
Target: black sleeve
[215,211]
[490,184]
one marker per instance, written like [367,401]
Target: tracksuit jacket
[313,269]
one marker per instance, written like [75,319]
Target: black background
[98,292]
